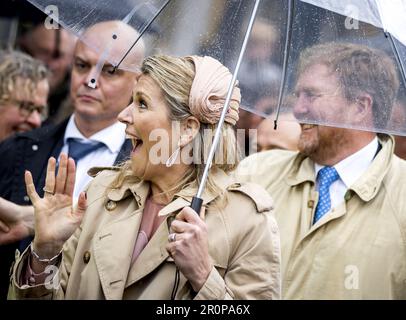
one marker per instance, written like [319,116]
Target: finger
[179,226]
[50,177]
[70,180]
[4,227]
[171,249]
[174,236]
[62,173]
[82,206]
[203,213]
[189,215]
[29,184]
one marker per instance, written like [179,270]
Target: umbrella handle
[196,204]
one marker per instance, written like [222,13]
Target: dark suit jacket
[30,151]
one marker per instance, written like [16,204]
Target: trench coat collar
[366,187]
[155,252]
[125,230]
[184,197]
[302,171]
[140,190]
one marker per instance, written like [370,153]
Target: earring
[171,160]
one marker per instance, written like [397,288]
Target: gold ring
[172,237]
[47,191]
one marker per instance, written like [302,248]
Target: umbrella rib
[388,35]
[285,59]
[142,33]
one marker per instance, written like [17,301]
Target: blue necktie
[78,150]
[325,177]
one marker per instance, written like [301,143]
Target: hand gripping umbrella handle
[196,204]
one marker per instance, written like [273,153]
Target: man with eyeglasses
[340,200]
[24,92]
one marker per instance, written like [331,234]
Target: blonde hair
[174,75]
[19,67]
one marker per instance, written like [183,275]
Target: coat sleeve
[253,271]
[55,283]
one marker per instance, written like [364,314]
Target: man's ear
[363,109]
[189,129]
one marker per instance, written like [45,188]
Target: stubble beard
[321,146]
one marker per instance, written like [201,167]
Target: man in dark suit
[92,136]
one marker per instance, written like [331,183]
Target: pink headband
[209,91]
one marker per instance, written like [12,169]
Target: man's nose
[300,106]
[91,79]
[34,119]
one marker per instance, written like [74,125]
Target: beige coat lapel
[113,244]
[155,252]
[151,257]
[113,253]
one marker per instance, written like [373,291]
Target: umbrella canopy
[281,32]
[182,27]
[387,15]
[370,23]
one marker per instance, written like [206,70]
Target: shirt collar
[352,167]
[116,130]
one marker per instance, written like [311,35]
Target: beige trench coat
[358,250]
[243,245]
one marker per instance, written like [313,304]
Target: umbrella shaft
[227,102]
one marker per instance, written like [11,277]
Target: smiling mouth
[136,142]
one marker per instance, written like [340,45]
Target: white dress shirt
[349,170]
[113,137]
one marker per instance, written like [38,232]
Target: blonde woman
[132,234]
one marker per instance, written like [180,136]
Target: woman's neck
[164,187]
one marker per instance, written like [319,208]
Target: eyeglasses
[27,108]
[311,96]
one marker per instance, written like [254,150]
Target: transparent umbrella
[215,28]
[281,32]
[373,23]
[179,27]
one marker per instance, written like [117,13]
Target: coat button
[26,198]
[111,205]
[34,147]
[310,203]
[86,257]
[347,196]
